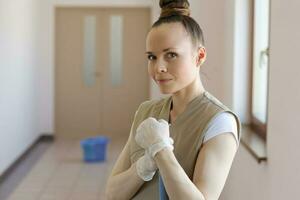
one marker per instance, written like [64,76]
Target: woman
[183,144]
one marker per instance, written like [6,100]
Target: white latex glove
[154,136]
[146,167]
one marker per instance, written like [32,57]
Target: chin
[165,92]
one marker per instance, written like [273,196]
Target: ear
[201,56]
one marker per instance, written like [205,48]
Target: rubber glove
[146,167]
[154,136]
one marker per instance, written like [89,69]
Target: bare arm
[211,170]
[123,182]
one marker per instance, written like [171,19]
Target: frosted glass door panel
[116,49]
[89,51]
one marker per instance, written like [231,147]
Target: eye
[151,57]
[171,55]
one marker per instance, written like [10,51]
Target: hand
[151,131]
[146,167]
[154,135]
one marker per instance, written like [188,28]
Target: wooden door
[103,99]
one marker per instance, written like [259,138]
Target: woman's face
[172,59]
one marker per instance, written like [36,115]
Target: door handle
[263,58]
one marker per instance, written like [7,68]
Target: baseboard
[46,138]
[42,138]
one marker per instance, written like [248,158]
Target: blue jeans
[162,191]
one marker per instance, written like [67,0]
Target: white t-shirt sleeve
[223,123]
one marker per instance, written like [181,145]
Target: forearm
[123,185]
[177,183]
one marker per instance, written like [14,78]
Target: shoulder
[208,107]
[221,116]
[214,101]
[152,105]
[217,107]
[223,123]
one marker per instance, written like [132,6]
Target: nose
[161,67]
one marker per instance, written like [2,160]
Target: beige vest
[187,132]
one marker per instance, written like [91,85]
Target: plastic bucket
[94,148]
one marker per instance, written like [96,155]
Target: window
[260,65]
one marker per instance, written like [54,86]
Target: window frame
[256,125]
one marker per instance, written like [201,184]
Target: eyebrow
[165,50]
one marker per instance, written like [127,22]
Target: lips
[163,80]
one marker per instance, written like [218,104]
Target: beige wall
[279,177]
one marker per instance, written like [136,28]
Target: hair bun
[174,7]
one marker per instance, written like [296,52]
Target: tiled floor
[60,174]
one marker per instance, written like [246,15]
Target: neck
[181,98]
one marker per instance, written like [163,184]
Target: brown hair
[173,11]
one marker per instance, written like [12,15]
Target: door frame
[54,8]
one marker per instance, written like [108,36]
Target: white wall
[18,78]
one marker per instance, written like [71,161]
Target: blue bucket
[94,148]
